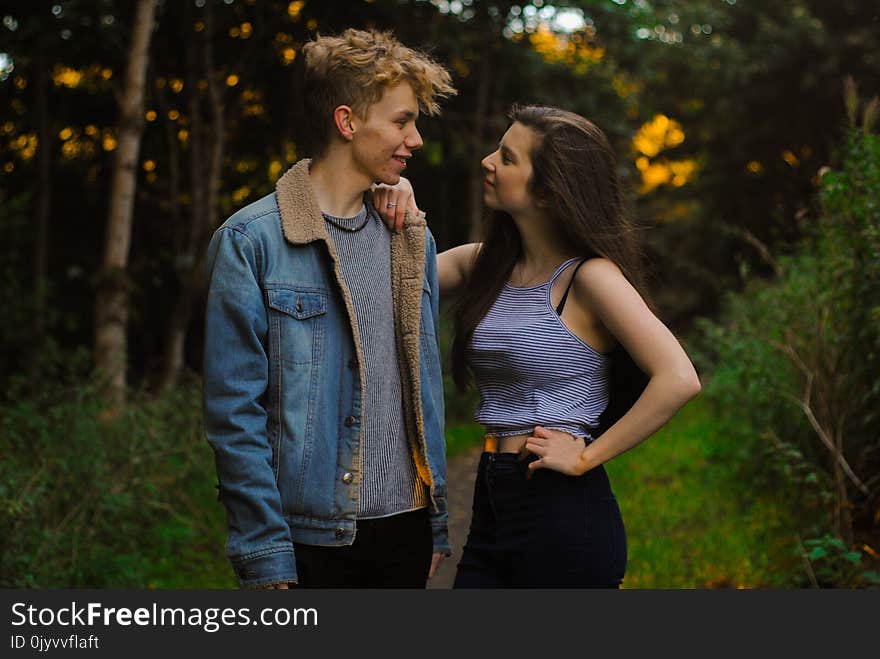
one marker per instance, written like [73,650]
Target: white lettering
[76,614]
[305,613]
[173,613]
[245,616]
[22,617]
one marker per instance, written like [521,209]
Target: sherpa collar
[302,222]
[301,218]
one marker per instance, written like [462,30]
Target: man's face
[386,138]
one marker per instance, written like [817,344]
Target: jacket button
[340,533]
[347,478]
[353,363]
[349,421]
[299,305]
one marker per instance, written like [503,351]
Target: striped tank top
[531,370]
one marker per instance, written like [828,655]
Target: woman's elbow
[690,384]
[682,382]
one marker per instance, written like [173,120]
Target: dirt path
[460,473]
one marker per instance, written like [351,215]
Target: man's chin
[388,179]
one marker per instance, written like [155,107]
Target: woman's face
[509,170]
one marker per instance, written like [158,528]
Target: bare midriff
[511,444]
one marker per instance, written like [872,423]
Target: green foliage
[16,332]
[798,358]
[832,562]
[98,501]
[692,521]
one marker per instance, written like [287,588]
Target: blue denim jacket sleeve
[236,374]
[433,280]
[439,518]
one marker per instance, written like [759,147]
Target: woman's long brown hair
[574,174]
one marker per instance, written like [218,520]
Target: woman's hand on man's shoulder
[392,202]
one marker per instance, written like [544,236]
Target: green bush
[88,500]
[796,366]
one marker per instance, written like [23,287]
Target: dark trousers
[388,552]
[548,531]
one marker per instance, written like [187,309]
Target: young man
[322,385]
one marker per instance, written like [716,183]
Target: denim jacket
[284,379]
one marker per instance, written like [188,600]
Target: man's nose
[414,141]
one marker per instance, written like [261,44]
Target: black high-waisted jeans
[549,531]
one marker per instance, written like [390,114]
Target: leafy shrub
[88,500]
[796,365]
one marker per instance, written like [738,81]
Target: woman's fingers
[392,204]
[401,202]
[385,205]
[536,446]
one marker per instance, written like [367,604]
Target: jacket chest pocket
[297,320]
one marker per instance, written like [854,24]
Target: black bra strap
[561,305]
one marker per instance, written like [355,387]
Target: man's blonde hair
[355,68]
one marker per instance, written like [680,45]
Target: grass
[462,437]
[691,519]
[692,522]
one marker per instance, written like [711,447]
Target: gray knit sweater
[389,482]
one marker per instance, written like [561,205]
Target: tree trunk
[481,111]
[205,189]
[480,117]
[43,204]
[111,305]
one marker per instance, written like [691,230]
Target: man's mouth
[401,159]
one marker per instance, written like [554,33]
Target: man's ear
[344,118]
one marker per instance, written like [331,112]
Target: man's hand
[393,202]
[435,561]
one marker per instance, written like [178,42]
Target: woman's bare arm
[454,265]
[606,293]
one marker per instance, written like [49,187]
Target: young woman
[546,304]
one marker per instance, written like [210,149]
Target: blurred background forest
[745,132]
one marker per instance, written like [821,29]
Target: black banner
[239,623]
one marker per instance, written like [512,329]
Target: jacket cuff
[440,533]
[269,567]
